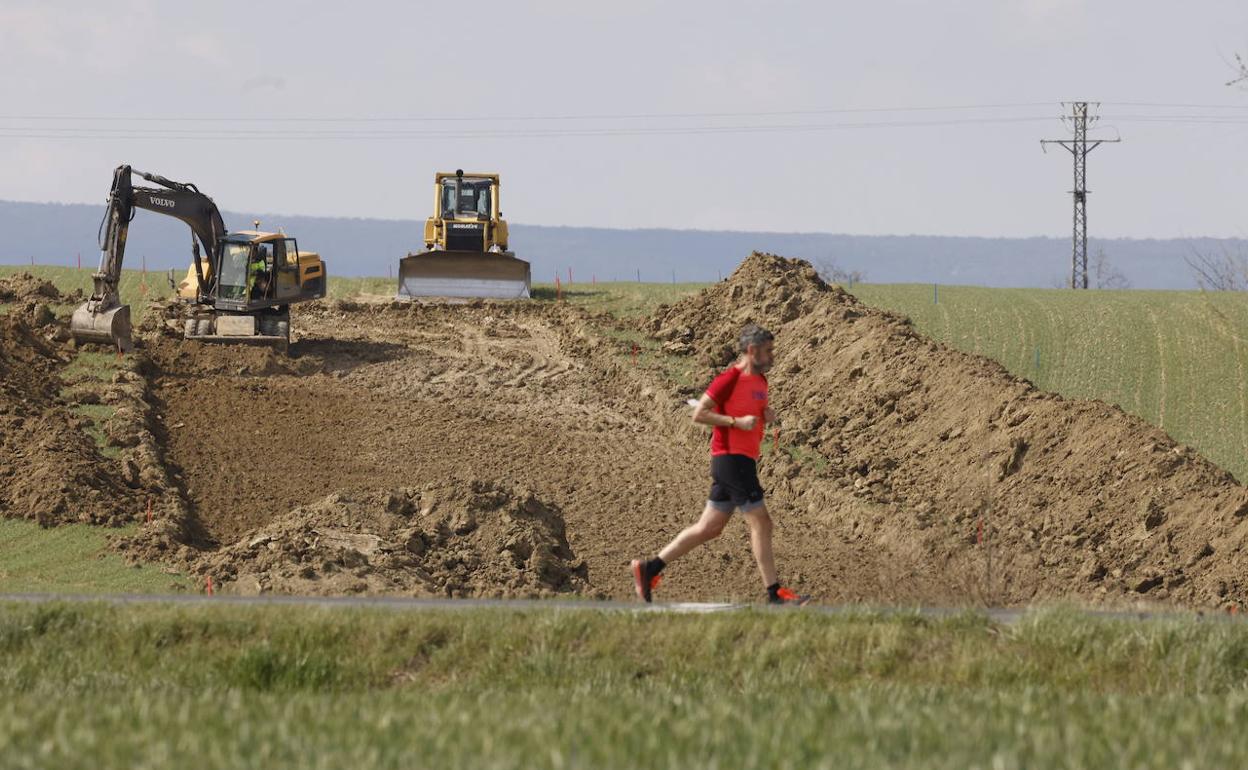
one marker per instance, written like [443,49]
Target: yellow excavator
[239,289]
[466,244]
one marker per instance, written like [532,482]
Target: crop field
[1178,359]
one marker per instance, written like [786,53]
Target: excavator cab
[258,269]
[466,249]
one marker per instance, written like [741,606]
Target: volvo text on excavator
[239,289]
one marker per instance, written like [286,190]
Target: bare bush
[1223,271]
[1105,275]
[1241,72]
[1227,270]
[832,272]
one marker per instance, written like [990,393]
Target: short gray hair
[753,334]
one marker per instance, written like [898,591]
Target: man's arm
[704,414]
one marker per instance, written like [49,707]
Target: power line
[145,129]
[1163,105]
[1181,119]
[521,118]
[588,117]
[171,133]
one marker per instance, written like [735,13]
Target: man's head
[756,344]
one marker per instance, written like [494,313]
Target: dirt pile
[24,287]
[451,538]
[765,289]
[50,469]
[187,358]
[33,297]
[967,479]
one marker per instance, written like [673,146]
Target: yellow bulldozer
[466,247]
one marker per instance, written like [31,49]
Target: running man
[735,405]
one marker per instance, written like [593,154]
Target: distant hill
[56,233]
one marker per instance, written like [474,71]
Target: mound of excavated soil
[24,286]
[50,470]
[31,296]
[445,539]
[966,477]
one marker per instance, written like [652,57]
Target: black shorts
[734,483]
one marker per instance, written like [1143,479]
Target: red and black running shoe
[785,596]
[643,581]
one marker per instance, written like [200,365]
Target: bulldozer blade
[463,274]
[108,327]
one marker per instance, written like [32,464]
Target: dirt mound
[175,356]
[965,478]
[32,297]
[765,289]
[445,539]
[24,287]
[50,470]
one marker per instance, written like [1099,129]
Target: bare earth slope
[966,478]
[50,469]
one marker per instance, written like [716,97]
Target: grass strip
[229,686]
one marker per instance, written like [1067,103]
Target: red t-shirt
[738,394]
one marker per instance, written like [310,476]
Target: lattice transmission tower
[1079,147]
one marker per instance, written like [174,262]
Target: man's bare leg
[708,527]
[760,542]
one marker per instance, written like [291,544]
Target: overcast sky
[710,115]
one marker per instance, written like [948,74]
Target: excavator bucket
[464,274]
[108,326]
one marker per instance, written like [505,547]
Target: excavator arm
[103,318]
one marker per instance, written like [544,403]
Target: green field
[219,686]
[73,559]
[1178,359]
[623,299]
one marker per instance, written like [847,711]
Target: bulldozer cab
[466,198]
